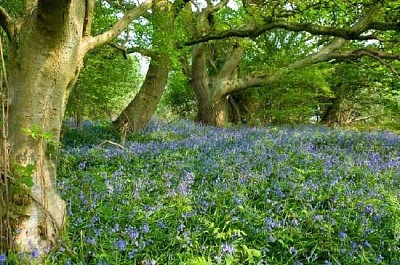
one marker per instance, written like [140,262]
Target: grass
[182,193]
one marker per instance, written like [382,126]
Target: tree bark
[213,104]
[44,63]
[46,49]
[139,111]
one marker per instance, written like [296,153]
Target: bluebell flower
[35,253]
[3,259]
[146,228]
[342,235]
[366,244]
[132,232]
[228,249]
[121,244]
[115,228]
[293,251]
[131,254]
[91,241]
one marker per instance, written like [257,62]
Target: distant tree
[362,92]
[178,99]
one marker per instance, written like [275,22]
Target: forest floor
[181,193]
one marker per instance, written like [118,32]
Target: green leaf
[26,180]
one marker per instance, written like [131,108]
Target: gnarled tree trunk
[213,104]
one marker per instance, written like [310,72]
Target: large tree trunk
[43,68]
[213,104]
[139,111]
[336,112]
[46,47]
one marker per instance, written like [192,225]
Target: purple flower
[3,259]
[293,251]
[366,244]
[133,233]
[342,235]
[146,228]
[121,244]
[115,228]
[131,254]
[35,253]
[91,241]
[228,249]
[161,224]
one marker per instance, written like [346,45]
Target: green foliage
[13,7]
[105,86]
[178,99]
[23,176]
[293,99]
[367,90]
[36,133]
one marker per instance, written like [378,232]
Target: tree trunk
[46,47]
[334,113]
[139,111]
[212,106]
[43,69]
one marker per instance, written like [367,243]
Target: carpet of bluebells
[183,193]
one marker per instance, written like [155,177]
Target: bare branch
[6,22]
[111,143]
[125,51]
[87,26]
[112,33]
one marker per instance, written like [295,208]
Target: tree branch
[87,25]
[254,30]
[203,20]
[323,55]
[231,63]
[125,51]
[6,22]
[385,26]
[109,35]
[377,55]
